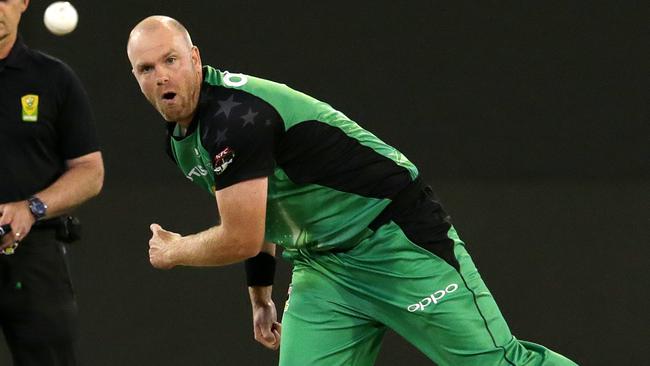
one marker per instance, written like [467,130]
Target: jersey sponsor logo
[434,298]
[222,160]
[198,172]
[234,80]
[30,107]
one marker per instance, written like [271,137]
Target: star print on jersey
[222,160]
[221,136]
[225,106]
[249,118]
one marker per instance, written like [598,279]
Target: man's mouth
[169,96]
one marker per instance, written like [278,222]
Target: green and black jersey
[335,187]
[331,183]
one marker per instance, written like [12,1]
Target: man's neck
[6,44]
[185,123]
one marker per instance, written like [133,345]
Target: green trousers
[341,304]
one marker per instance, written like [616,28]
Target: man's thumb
[155,228]
[267,334]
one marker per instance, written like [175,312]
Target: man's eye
[171,60]
[146,69]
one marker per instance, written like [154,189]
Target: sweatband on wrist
[260,270]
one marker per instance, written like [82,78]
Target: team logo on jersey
[234,79]
[30,107]
[222,160]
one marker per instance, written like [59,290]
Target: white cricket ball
[60,18]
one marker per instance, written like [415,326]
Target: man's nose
[162,79]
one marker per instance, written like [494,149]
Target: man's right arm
[240,236]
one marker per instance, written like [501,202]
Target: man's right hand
[161,244]
[18,215]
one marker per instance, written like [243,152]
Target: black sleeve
[74,123]
[241,145]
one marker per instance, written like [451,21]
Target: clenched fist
[161,247]
[266,328]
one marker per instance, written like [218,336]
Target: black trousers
[38,310]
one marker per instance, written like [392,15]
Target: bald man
[371,247]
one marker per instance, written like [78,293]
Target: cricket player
[371,247]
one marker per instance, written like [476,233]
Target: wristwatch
[37,207]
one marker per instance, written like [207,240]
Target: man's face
[10,12]
[168,70]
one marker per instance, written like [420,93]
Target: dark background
[530,120]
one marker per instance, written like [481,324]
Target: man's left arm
[260,272]
[82,180]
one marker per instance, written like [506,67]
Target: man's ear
[196,58]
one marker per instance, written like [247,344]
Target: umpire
[49,164]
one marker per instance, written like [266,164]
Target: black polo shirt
[45,119]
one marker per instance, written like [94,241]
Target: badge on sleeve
[30,107]
[222,160]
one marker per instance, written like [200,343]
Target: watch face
[37,207]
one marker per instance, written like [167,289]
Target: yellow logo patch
[30,107]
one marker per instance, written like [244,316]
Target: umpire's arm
[82,180]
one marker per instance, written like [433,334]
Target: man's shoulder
[40,69]
[232,93]
[44,65]
[232,89]
[44,59]
[240,80]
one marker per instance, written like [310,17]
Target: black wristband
[260,270]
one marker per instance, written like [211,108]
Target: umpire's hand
[18,215]
[161,245]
